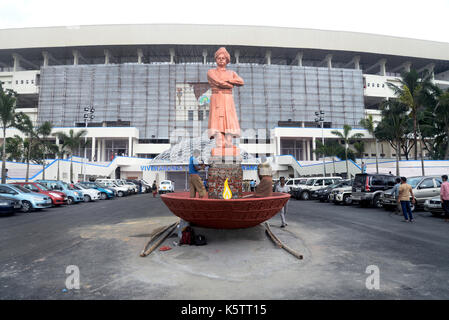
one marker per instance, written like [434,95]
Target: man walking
[444,196]
[405,192]
[281,187]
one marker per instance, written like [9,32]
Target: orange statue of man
[223,121]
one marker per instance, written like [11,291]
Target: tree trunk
[43,169]
[58,168]
[422,157]
[446,154]
[398,147]
[377,157]
[333,163]
[347,166]
[71,168]
[415,137]
[28,163]
[4,156]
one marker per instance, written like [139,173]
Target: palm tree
[43,132]
[331,148]
[345,135]
[27,127]
[60,152]
[359,147]
[71,142]
[15,148]
[393,126]
[8,118]
[414,91]
[441,113]
[368,124]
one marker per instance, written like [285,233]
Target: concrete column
[278,145]
[357,62]
[93,149]
[307,150]
[99,151]
[130,146]
[268,57]
[76,56]
[204,56]
[383,67]
[172,55]
[303,149]
[329,61]
[16,58]
[103,150]
[139,56]
[407,66]
[237,56]
[107,56]
[45,56]
[299,58]
[313,148]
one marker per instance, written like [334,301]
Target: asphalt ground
[342,245]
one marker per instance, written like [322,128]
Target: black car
[323,193]
[9,205]
[368,188]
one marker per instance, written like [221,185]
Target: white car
[341,195]
[88,193]
[166,186]
[124,183]
[110,183]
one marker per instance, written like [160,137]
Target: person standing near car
[154,189]
[281,187]
[396,194]
[444,196]
[405,192]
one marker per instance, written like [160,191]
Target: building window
[21,81]
[190,115]
[200,115]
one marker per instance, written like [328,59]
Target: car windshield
[310,182]
[22,189]
[66,185]
[120,183]
[302,181]
[334,185]
[80,186]
[165,182]
[42,187]
[414,181]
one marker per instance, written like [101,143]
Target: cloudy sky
[404,18]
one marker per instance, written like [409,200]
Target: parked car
[424,188]
[29,200]
[304,191]
[322,194]
[9,205]
[57,197]
[341,195]
[166,186]
[135,187]
[295,182]
[73,196]
[367,188]
[146,187]
[123,183]
[105,193]
[89,194]
[434,206]
[110,183]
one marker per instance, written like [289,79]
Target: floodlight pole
[88,115]
[320,118]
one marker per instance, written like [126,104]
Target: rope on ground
[279,242]
[146,252]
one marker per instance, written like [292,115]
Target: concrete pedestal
[217,175]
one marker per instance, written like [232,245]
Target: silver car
[433,206]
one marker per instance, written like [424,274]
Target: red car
[57,197]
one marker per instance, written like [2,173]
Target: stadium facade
[148,86]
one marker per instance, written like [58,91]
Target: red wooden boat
[225,214]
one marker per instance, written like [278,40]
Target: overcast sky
[405,18]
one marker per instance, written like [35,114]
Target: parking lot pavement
[104,239]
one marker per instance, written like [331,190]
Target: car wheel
[347,200]
[103,196]
[87,198]
[376,202]
[305,195]
[27,206]
[69,200]
[120,194]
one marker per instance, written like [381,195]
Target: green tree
[392,128]
[15,148]
[30,132]
[71,142]
[368,124]
[331,148]
[415,90]
[8,118]
[348,139]
[43,132]
[359,147]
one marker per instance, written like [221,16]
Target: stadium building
[147,84]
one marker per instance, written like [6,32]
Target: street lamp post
[320,118]
[88,115]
